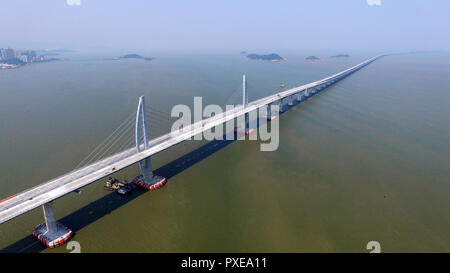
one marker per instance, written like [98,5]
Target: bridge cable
[103,143]
[117,135]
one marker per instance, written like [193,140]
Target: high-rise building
[23,58]
[8,54]
[29,53]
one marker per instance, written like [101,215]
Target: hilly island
[131,56]
[265,57]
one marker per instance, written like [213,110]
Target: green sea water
[366,160]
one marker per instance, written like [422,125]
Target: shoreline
[6,66]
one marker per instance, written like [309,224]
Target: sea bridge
[52,233]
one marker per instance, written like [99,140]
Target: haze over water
[367,159]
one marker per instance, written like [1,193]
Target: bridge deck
[67,183]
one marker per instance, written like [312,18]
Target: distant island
[243,52]
[312,58]
[131,56]
[267,57]
[12,58]
[340,56]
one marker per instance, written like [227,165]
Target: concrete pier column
[269,115]
[246,123]
[146,169]
[50,221]
[51,233]
[299,96]
[282,109]
[291,100]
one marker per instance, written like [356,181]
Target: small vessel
[113,184]
[282,85]
[126,189]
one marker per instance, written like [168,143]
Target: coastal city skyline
[13,58]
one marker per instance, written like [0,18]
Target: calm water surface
[366,160]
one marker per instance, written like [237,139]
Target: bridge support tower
[246,126]
[147,180]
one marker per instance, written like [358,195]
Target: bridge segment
[71,182]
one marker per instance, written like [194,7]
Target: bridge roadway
[69,182]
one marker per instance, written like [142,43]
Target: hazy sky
[227,25]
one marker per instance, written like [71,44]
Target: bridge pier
[291,100]
[147,180]
[269,115]
[282,108]
[305,95]
[51,233]
[299,96]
